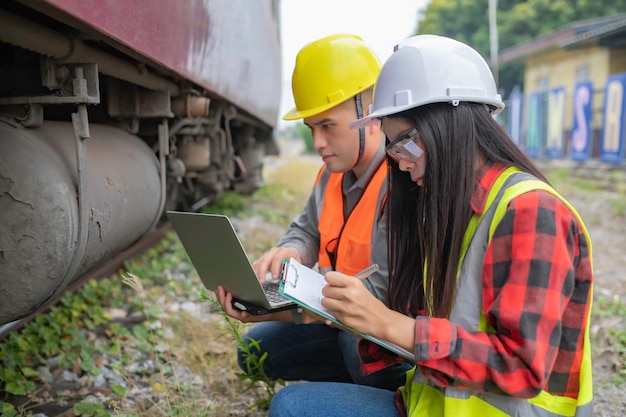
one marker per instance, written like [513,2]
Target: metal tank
[40,249]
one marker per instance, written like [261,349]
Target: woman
[490,269]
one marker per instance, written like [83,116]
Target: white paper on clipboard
[304,285]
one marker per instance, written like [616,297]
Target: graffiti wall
[536,122]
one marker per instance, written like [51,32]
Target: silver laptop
[220,259]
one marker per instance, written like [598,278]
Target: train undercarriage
[97,141]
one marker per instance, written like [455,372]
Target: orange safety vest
[353,235]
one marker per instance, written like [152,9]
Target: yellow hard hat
[329,71]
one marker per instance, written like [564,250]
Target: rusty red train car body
[111,113]
[229,47]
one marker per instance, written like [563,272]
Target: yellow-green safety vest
[423,399]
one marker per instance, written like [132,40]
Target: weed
[604,307]
[65,333]
[229,204]
[254,363]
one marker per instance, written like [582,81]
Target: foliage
[65,334]
[302,131]
[229,204]
[518,22]
[91,409]
[59,333]
[254,363]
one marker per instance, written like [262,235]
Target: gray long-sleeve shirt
[303,233]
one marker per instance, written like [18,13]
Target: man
[342,227]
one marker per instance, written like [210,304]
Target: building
[573,99]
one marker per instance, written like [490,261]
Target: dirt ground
[604,214]
[608,235]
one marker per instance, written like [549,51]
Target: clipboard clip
[284,273]
[282,276]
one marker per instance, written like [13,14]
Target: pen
[367,272]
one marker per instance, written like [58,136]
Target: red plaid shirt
[536,295]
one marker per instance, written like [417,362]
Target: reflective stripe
[421,398]
[475,241]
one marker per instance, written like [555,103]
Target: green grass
[566,180]
[612,188]
[618,204]
[278,200]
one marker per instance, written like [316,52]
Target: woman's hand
[351,303]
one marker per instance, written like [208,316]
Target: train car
[111,113]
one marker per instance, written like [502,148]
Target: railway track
[106,269]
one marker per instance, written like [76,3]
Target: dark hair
[427,223]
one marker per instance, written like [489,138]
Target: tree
[302,131]
[518,22]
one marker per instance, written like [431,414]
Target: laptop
[218,256]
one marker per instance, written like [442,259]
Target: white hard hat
[427,69]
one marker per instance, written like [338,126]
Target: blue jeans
[317,352]
[328,399]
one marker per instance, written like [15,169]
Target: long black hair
[427,223]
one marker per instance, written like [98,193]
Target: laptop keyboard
[271,290]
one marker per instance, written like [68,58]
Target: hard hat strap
[359,113]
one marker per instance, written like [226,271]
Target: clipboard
[303,286]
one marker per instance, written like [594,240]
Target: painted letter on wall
[581,128]
[535,127]
[612,145]
[556,111]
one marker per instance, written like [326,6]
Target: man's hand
[272,260]
[310,317]
[225,299]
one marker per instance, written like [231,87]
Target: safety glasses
[404,148]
